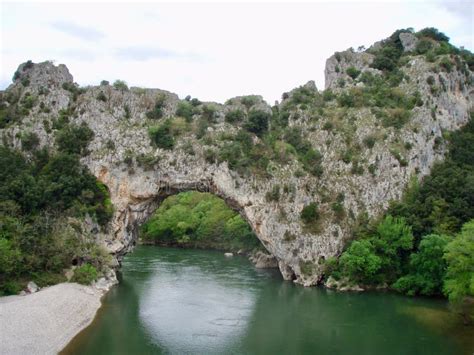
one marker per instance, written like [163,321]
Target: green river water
[177,301]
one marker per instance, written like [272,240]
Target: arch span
[137,196]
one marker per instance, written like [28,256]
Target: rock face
[121,143]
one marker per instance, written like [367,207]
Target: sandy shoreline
[46,321]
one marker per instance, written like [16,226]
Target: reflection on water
[193,301]
[192,310]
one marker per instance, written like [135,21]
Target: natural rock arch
[118,117]
[136,201]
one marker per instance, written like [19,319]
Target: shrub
[74,139]
[369,141]
[185,110]
[235,116]
[273,194]
[427,268]
[120,85]
[433,33]
[352,72]
[359,262]
[104,83]
[249,101]
[446,64]
[460,276]
[161,135]
[310,213]
[85,274]
[101,97]
[29,141]
[157,111]
[257,122]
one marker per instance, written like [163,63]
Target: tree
[459,282]
[392,241]
[161,135]
[120,85]
[257,122]
[427,268]
[359,262]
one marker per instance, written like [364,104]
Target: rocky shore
[46,321]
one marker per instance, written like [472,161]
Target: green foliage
[459,282]
[433,33]
[29,141]
[445,198]
[74,139]
[235,116]
[352,72]
[249,101]
[198,220]
[359,262]
[36,197]
[273,194]
[161,136]
[426,269]
[101,97]
[257,122]
[185,110]
[369,141]
[85,274]
[310,213]
[307,155]
[157,111]
[380,253]
[120,85]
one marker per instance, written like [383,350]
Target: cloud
[143,53]
[85,33]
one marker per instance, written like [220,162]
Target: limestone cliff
[365,159]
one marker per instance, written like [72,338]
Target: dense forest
[424,245]
[44,195]
[199,220]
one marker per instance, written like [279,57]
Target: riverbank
[45,322]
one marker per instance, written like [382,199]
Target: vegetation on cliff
[44,196]
[199,220]
[424,245]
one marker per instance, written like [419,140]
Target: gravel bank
[45,322]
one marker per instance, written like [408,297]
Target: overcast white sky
[212,51]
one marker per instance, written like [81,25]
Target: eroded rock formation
[121,144]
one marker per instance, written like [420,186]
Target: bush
[185,110]
[157,111]
[257,122]
[249,101]
[101,97]
[426,269]
[446,64]
[352,72]
[235,116]
[433,33]
[273,194]
[85,274]
[120,85]
[359,262]
[310,213]
[459,282]
[369,141]
[161,136]
[29,141]
[74,139]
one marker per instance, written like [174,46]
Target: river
[178,301]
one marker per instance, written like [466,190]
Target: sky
[212,51]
